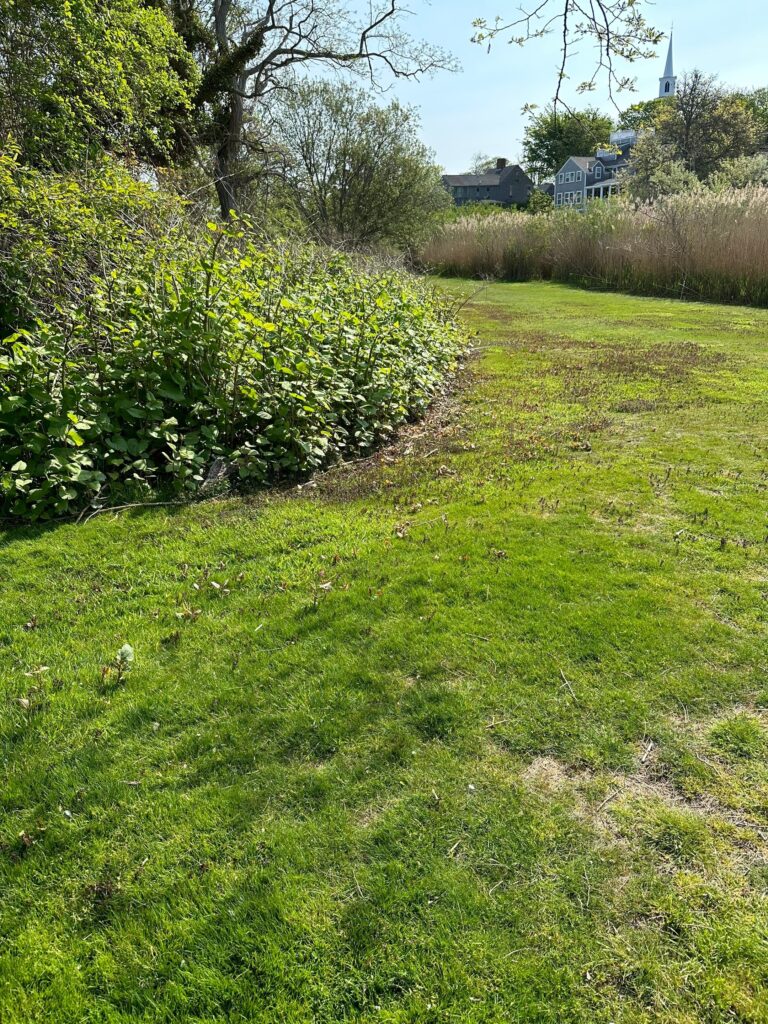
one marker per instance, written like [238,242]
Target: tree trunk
[228,149]
[225,188]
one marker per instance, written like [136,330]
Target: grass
[475,731]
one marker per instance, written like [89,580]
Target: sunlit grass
[473,731]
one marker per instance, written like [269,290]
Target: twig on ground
[567,684]
[134,504]
[611,796]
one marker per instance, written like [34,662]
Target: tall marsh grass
[706,245]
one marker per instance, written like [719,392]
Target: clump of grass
[741,736]
[678,833]
[702,246]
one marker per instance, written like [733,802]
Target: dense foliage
[247,52]
[705,133]
[358,172]
[705,124]
[553,135]
[137,352]
[655,172]
[81,76]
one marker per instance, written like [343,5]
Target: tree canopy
[656,172]
[247,50]
[704,133]
[705,124]
[79,76]
[552,136]
[757,102]
[644,114]
[357,171]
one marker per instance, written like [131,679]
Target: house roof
[585,162]
[611,161]
[486,180]
[479,180]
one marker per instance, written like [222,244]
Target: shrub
[165,351]
[539,202]
[59,234]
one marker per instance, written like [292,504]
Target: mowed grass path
[475,731]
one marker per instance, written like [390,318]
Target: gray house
[582,178]
[505,184]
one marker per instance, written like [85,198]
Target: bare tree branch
[617,28]
[247,49]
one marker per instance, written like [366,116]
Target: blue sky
[479,108]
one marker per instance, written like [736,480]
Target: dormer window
[598,171]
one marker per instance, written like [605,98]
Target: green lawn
[476,731]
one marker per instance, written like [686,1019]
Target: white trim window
[598,170]
[560,178]
[559,199]
[578,175]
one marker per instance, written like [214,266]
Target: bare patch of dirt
[546,774]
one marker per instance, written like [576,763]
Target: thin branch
[617,28]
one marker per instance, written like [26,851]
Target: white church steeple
[668,83]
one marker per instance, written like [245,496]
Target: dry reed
[706,245]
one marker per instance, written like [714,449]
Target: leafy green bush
[59,235]
[82,76]
[162,350]
[539,202]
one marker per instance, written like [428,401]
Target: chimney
[501,163]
